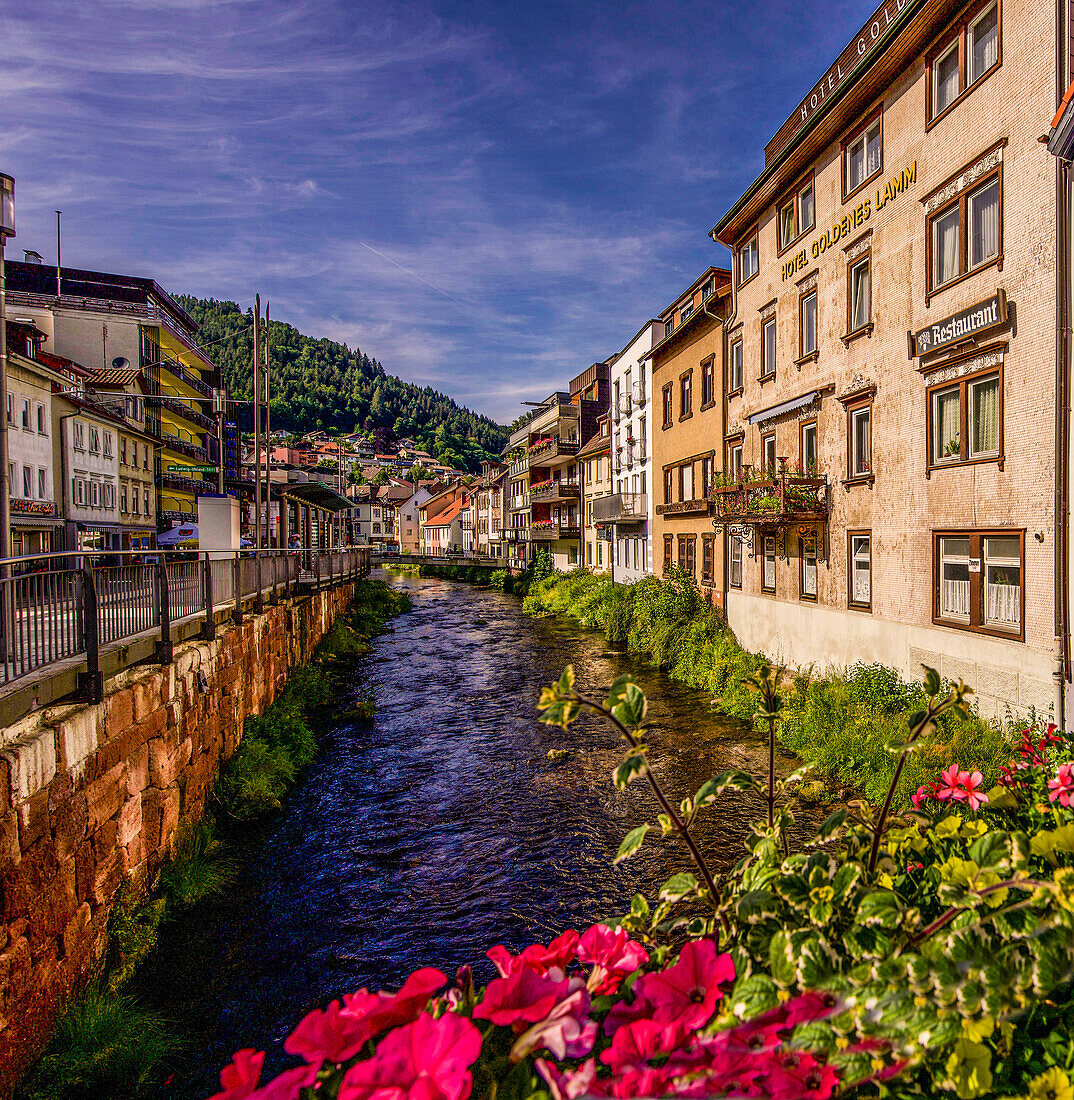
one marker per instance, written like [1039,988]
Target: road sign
[191,469]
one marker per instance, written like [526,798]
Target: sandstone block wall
[91,796]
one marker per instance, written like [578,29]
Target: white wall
[84,465]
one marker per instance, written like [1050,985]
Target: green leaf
[991,851]
[639,907]
[781,958]
[725,781]
[932,681]
[631,843]
[667,826]
[633,766]
[678,887]
[632,709]
[1048,842]
[566,681]
[753,995]
[618,690]
[758,906]
[880,908]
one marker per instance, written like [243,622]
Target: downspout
[1062,385]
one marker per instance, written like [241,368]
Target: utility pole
[257,421]
[268,438]
[59,277]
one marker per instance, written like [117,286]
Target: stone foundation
[91,796]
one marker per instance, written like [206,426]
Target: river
[440,828]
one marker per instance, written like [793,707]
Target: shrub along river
[440,828]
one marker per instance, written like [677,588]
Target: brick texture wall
[91,796]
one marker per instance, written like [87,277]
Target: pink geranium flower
[634,1045]
[559,954]
[567,1031]
[523,997]
[949,787]
[1062,786]
[970,784]
[425,1060]
[614,955]
[239,1077]
[288,1086]
[567,1084]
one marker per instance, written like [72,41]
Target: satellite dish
[120,363]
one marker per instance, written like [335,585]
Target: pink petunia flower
[567,1031]
[559,954]
[1062,786]
[634,1045]
[523,997]
[614,955]
[424,1060]
[567,1084]
[239,1077]
[288,1086]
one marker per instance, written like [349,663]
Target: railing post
[259,604]
[208,627]
[164,620]
[317,570]
[91,682]
[236,583]
[275,599]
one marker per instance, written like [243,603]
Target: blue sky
[485,196]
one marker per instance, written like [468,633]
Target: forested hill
[325,384]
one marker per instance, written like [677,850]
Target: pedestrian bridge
[387,558]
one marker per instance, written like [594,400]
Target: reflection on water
[442,827]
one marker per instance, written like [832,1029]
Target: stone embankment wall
[91,796]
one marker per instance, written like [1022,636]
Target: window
[768,348]
[107,444]
[11,408]
[969,54]
[686,481]
[979,580]
[734,460]
[734,573]
[145,502]
[966,234]
[123,498]
[863,156]
[27,426]
[807,324]
[668,496]
[123,450]
[42,420]
[965,420]
[27,483]
[861,594]
[145,457]
[736,366]
[668,550]
[858,297]
[707,557]
[807,440]
[796,215]
[768,453]
[94,441]
[768,564]
[668,406]
[861,441]
[747,260]
[95,493]
[42,484]
[807,588]
[708,382]
[691,544]
[685,382]
[706,476]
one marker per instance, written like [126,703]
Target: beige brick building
[688,431]
[892,366]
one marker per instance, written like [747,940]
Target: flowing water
[440,828]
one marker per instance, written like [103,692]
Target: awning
[317,496]
[786,407]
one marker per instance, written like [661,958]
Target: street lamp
[7,229]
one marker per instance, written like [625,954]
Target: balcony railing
[186,484]
[547,530]
[545,449]
[621,508]
[624,404]
[554,489]
[771,497]
[637,393]
[181,406]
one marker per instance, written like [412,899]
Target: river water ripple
[440,828]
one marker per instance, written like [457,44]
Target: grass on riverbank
[105,1043]
[839,721]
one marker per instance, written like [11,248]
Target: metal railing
[620,508]
[66,606]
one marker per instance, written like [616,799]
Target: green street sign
[191,469]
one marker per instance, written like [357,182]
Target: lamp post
[7,229]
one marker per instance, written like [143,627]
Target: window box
[978,581]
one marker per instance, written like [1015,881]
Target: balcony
[548,530]
[621,508]
[764,497]
[637,394]
[547,450]
[624,404]
[184,407]
[186,484]
[172,518]
[554,489]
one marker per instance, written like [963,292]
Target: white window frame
[768,563]
[861,550]
[861,464]
[768,348]
[808,551]
[748,261]
[874,128]
[734,572]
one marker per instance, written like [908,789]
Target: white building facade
[90,454]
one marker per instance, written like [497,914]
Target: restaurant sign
[33,507]
[960,326]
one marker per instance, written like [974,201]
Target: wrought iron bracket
[744,532]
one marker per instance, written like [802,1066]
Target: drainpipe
[724,323]
[1062,404]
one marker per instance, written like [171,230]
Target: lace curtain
[946,427]
[986,416]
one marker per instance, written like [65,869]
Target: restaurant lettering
[854,219]
[34,507]
[959,326]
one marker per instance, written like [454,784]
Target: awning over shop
[315,495]
[785,407]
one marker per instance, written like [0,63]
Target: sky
[486,197]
